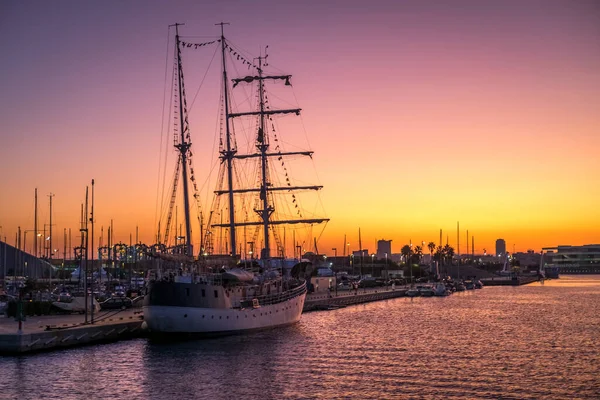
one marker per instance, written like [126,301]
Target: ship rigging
[250,202]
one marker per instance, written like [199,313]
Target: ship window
[203,293]
[216,294]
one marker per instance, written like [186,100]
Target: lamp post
[334,254]
[410,265]
[387,278]
[372,267]
[348,249]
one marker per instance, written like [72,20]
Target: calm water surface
[529,342]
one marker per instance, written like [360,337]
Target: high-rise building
[500,247]
[384,247]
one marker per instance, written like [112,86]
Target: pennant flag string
[197,45]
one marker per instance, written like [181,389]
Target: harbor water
[540,341]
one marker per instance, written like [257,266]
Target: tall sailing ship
[202,294]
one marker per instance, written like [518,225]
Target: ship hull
[168,320]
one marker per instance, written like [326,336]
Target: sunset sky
[420,113]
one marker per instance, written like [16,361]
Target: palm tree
[439,254]
[431,247]
[418,253]
[407,252]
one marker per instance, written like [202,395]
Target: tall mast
[262,146]
[183,148]
[35,228]
[264,210]
[228,153]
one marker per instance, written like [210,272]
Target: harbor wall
[57,337]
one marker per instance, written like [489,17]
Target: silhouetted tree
[431,247]
[406,252]
[417,254]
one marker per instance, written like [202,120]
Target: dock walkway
[324,301]
[40,333]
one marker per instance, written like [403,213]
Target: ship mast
[262,145]
[183,147]
[228,154]
[262,153]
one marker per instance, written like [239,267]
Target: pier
[40,333]
[320,301]
[508,281]
[52,332]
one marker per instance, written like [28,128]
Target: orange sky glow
[421,114]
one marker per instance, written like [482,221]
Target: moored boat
[217,295]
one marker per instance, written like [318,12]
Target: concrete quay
[508,281]
[320,301]
[40,333]
[43,333]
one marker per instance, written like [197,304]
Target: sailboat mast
[228,153]
[263,146]
[183,148]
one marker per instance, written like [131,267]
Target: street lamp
[372,260]
[409,264]
[386,271]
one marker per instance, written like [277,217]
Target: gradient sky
[421,113]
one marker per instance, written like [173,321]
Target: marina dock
[40,333]
[52,332]
[508,281]
[318,301]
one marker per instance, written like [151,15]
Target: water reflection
[531,342]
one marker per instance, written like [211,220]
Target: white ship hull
[221,321]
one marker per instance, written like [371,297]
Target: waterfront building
[383,247]
[528,260]
[357,254]
[500,247]
[17,262]
[573,259]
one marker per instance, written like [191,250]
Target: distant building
[500,247]
[528,260]
[384,247]
[358,253]
[573,259]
